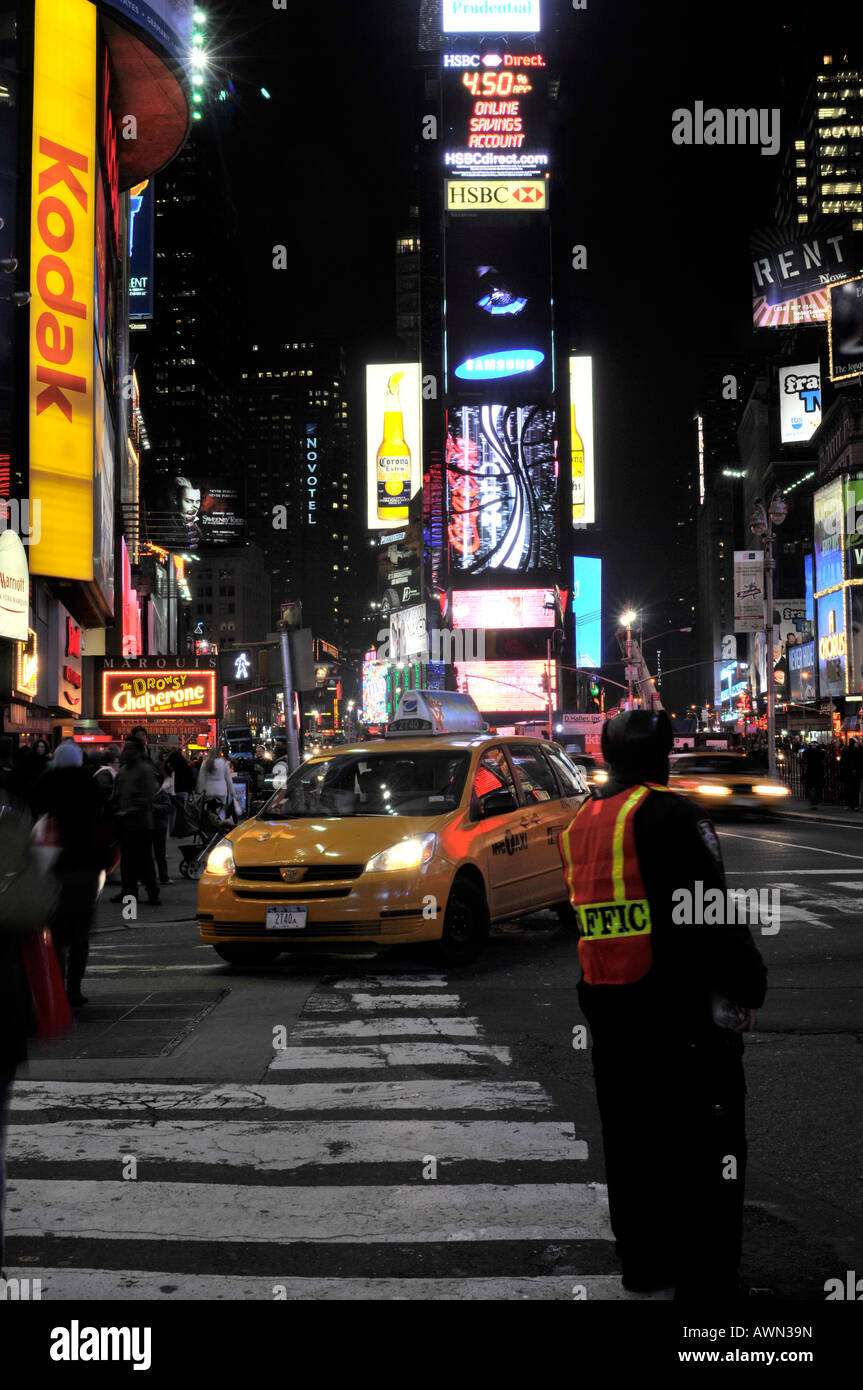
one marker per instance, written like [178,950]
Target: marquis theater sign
[145,688]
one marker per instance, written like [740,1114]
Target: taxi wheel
[465,924]
[248,955]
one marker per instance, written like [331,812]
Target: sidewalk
[179,899]
[829,813]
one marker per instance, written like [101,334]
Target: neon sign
[500,365]
[158,695]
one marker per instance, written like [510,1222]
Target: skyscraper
[822,172]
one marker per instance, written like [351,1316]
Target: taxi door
[502,837]
[547,812]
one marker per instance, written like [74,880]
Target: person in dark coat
[849,774]
[813,772]
[67,793]
[136,789]
[666,995]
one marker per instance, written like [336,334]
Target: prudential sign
[491,16]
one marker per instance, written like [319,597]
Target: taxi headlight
[600,778]
[713,789]
[220,861]
[414,853]
[770,789]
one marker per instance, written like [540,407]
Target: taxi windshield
[372,784]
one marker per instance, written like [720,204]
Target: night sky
[325,167]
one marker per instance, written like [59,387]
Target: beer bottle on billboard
[577,447]
[393,459]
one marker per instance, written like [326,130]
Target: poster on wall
[827,528]
[845,334]
[393,442]
[748,590]
[195,513]
[502,488]
[792,271]
[799,402]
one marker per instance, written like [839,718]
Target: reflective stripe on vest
[606,888]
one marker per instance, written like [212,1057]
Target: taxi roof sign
[435,712]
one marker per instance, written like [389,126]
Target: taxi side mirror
[497,803]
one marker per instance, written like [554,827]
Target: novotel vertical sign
[61,282]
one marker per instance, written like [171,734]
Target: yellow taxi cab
[430,834]
[726,782]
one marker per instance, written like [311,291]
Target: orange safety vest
[606,888]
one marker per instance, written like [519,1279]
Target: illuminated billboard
[791,271]
[832,644]
[587,610]
[802,673]
[190,514]
[393,442]
[502,608]
[495,109]
[501,469]
[507,686]
[375,709]
[853,535]
[14,587]
[408,633]
[158,694]
[498,308]
[799,402]
[496,195]
[400,569]
[62,257]
[581,441]
[491,16]
[845,333]
[142,202]
[748,590]
[827,508]
[167,22]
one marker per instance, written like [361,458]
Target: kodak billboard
[61,283]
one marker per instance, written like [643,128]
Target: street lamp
[762,523]
[626,620]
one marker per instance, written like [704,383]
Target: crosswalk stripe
[94,1285]
[388,1028]
[388,1055]
[227,1213]
[417,981]
[109,1097]
[368,1003]
[263,1146]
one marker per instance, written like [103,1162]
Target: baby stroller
[206,826]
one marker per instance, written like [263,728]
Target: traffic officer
[667,999]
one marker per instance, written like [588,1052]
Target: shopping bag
[50,1005]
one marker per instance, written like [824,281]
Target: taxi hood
[314,840]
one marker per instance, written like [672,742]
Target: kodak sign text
[61,282]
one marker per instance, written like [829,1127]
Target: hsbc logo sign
[501,195]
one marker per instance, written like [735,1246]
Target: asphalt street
[363,1125]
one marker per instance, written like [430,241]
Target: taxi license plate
[286,918]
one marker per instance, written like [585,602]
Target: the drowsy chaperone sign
[158,694]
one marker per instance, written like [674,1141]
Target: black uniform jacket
[677,848]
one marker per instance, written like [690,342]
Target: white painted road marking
[388,1028]
[788,844]
[94,1285]
[417,981]
[180,1211]
[417,1095]
[368,1003]
[267,1147]
[388,1055]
